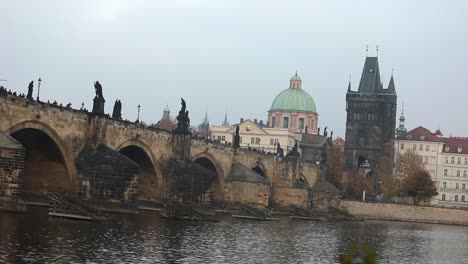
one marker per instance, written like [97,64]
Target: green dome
[166,109]
[295,78]
[293,100]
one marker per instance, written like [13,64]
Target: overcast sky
[236,56]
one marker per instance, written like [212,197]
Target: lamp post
[138,118]
[38,88]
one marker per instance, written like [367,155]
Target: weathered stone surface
[71,130]
[106,174]
[403,212]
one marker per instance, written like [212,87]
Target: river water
[148,238]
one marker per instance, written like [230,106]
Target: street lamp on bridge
[38,88]
[138,118]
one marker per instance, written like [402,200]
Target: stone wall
[287,196]
[409,213]
[11,171]
[253,193]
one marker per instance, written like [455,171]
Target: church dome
[294,99]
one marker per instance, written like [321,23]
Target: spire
[401,129]
[349,86]
[205,120]
[166,112]
[225,122]
[391,86]
[370,82]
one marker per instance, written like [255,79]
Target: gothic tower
[370,125]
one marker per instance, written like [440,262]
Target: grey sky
[236,56]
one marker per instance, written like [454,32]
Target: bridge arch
[150,179]
[208,161]
[48,159]
[260,169]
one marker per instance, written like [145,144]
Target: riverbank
[406,213]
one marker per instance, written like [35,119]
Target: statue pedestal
[98,106]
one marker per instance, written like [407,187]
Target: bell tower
[370,125]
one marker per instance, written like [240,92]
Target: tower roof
[295,77]
[166,109]
[370,78]
[391,86]
[293,99]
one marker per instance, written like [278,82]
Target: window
[452,160]
[252,140]
[459,160]
[463,198]
[457,186]
[273,141]
[223,138]
[458,173]
[402,146]
[464,173]
[456,198]
[285,122]
[466,161]
[446,159]
[301,123]
[445,173]
[414,147]
[443,197]
[427,147]
[219,138]
[257,141]
[463,186]
[420,147]
[445,185]
[273,119]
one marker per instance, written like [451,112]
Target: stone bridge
[68,150]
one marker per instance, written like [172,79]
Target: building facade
[255,135]
[445,158]
[294,109]
[291,115]
[370,124]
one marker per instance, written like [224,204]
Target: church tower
[370,125]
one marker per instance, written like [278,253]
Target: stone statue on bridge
[294,151]
[236,141]
[117,112]
[279,150]
[30,90]
[98,89]
[98,105]
[183,120]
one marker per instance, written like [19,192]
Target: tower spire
[225,122]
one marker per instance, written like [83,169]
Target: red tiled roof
[452,144]
[420,134]
[338,141]
[456,145]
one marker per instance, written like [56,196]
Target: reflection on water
[147,238]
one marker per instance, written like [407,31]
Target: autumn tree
[420,186]
[354,184]
[391,184]
[335,165]
[416,181]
